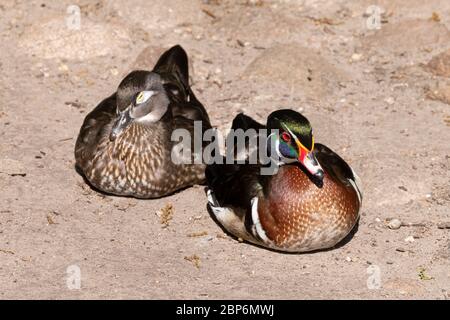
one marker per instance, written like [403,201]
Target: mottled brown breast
[298,215]
[138,163]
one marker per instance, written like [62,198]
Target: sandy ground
[379,97]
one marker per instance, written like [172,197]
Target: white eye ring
[143,96]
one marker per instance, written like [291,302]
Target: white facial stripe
[296,138]
[143,96]
[277,144]
[155,115]
[292,134]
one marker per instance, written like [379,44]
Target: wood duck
[124,145]
[311,203]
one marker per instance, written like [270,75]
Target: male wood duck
[124,146]
[311,203]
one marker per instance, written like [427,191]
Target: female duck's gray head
[141,97]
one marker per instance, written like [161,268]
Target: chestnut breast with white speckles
[297,215]
[138,163]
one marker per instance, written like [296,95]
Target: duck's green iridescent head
[295,139]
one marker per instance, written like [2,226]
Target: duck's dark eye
[285,137]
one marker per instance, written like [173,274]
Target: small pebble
[218,82]
[356,56]
[63,68]
[394,224]
[114,71]
[389,100]
[409,239]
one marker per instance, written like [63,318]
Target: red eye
[286,137]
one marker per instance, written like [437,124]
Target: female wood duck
[311,203]
[124,146]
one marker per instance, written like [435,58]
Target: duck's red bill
[309,161]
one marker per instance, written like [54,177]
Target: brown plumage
[124,146]
[296,209]
[298,214]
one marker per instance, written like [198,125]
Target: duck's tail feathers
[338,168]
[244,122]
[174,61]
